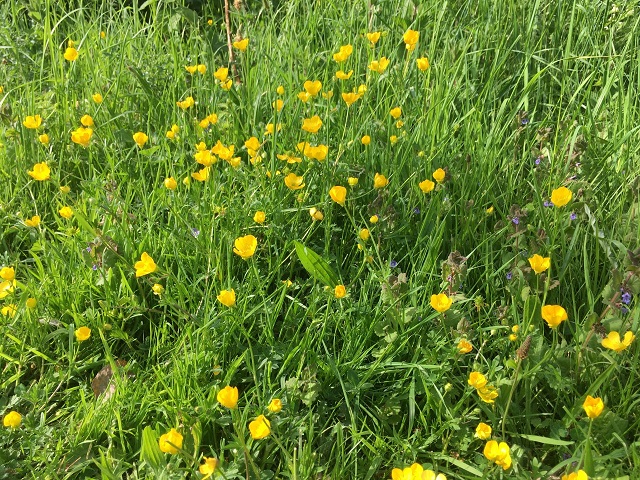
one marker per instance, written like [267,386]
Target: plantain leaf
[150,451]
[546,440]
[317,267]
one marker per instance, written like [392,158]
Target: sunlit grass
[379,261]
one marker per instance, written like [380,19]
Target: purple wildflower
[515,221]
[416,211]
[509,275]
[573,216]
[547,203]
[393,264]
[195,232]
[626,298]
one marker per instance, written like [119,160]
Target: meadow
[319,239]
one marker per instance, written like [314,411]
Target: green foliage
[520,98]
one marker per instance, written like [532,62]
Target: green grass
[369,382]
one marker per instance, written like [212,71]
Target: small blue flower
[94,267]
[195,232]
[509,275]
[626,298]
[547,203]
[416,211]
[393,264]
[573,216]
[538,161]
[515,221]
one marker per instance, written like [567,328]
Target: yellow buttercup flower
[8,273]
[186,103]
[252,144]
[483,431]
[227,297]
[208,467]
[32,122]
[499,453]
[171,134]
[441,302]
[204,157]
[7,287]
[87,121]
[9,310]
[43,139]
[579,475]
[294,182]
[488,393]
[613,342]
[380,181]
[365,140]
[278,104]
[259,217]
[33,221]
[145,265]
[396,112]
[373,37]
[304,97]
[464,346]
[82,334]
[140,138]
[561,196]
[70,54]
[97,98]
[374,219]
[222,151]
[477,380]
[350,98]
[352,181]
[275,405]
[415,472]
[170,183]
[439,175]
[312,125]
[66,212]
[221,74]
[312,87]
[157,289]
[280,90]
[344,53]
[170,442]
[64,189]
[554,315]
[241,45]
[411,38]
[260,428]
[393,139]
[12,419]
[379,65]
[200,175]
[338,194]
[82,136]
[427,186]
[593,406]
[289,158]
[40,172]
[316,214]
[228,397]
[422,63]
[340,75]
[245,246]
[539,264]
